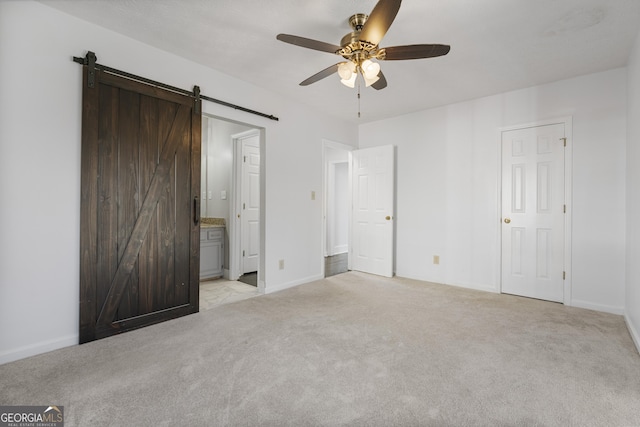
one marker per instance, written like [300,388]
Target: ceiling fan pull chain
[358,99]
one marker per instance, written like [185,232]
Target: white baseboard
[475,287]
[282,286]
[635,334]
[35,349]
[597,307]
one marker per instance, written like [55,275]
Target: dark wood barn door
[139,214]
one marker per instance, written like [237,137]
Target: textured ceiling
[496,45]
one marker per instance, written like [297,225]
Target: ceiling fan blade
[381,83]
[308,43]
[380,19]
[321,75]
[415,51]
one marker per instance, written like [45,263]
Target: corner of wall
[635,335]
[632,209]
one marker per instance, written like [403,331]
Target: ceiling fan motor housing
[353,48]
[357,21]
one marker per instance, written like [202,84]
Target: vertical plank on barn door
[149,153]
[129,191]
[140,174]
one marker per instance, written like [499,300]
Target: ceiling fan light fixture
[361,51]
[370,69]
[351,82]
[346,70]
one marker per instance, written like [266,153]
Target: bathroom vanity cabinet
[211,252]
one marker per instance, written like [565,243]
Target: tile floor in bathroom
[222,291]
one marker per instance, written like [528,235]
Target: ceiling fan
[360,48]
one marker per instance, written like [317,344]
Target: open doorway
[366,215]
[221,233]
[336,208]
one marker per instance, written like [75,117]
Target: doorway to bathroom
[230,211]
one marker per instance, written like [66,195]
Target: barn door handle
[196,210]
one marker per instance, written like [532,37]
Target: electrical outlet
[436,259]
[281,264]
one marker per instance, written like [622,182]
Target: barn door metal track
[90,61]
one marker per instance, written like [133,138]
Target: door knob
[507,220]
[388,218]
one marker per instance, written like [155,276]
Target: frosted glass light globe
[370,69]
[346,70]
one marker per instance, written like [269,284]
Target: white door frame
[568,174]
[235,244]
[327,144]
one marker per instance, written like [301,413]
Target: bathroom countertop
[212,223]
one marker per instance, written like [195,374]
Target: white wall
[448,192]
[632,296]
[40,124]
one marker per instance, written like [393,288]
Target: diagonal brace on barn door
[158,182]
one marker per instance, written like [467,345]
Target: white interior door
[533,206]
[250,200]
[372,231]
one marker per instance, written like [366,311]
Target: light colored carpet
[351,349]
